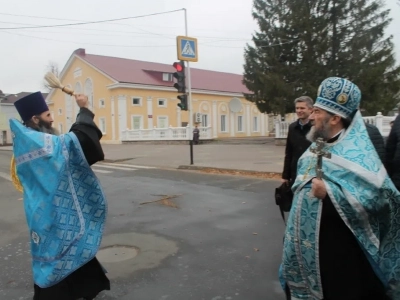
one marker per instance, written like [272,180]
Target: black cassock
[90,279]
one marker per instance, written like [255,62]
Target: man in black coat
[296,142]
[393,153]
[377,140]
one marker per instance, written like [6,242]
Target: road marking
[126,165]
[5,176]
[122,167]
[102,171]
[115,168]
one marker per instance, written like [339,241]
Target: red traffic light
[178,66]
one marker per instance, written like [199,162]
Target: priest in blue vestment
[342,240]
[64,203]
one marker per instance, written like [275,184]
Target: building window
[240,124]
[167,77]
[204,120]
[78,90]
[137,122]
[102,103]
[137,101]
[223,123]
[162,122]
[255,124]
[59,111]
[102,125]
[162,102]
[88,91]
[60,128]
[77,72]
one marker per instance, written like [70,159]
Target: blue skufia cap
[28,106]
[338,96]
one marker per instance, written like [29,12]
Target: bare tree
[2,96]
[53,68]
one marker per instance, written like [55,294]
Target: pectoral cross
[320,154]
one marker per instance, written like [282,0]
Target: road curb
[213,170]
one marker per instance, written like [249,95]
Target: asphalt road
[222,241]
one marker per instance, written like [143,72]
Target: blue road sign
[187,48]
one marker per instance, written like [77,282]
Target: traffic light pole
[189,86]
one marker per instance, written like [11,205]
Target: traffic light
[180,76]
[180,84]
[184,103]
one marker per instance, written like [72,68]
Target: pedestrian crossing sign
[187,48]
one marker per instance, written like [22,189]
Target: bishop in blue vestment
[342,240]
[64,202]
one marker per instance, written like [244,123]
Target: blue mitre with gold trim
[338,96]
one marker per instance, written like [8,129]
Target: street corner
[123,254]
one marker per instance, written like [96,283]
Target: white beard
[310,134]
[314,133]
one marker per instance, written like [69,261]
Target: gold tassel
[14,176]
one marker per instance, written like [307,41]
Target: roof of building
[11,98]
[149,73]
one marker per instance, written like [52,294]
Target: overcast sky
[222,27]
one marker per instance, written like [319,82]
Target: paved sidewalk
[259,157]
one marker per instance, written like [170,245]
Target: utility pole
[190,107]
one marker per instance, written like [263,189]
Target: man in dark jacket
[377,140]
[393,153]
[296,142]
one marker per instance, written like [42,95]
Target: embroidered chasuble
[64,203]
[365,199]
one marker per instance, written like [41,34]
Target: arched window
[89,92]
[68,110]
[78,90]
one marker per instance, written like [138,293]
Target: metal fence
[164,134]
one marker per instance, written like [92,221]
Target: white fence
[380,121]
[164,134]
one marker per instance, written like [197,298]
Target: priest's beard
[44,127]
[322,132]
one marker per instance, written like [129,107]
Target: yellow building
[135,100]
[7,112]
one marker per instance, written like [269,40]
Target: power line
[91,29]
[93,22]
[113,34]
[169,36]
[128,34]
[37,17]
[121,24]
[142,46]
[267,46]
[32,26]
[80,43]
[88,29]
